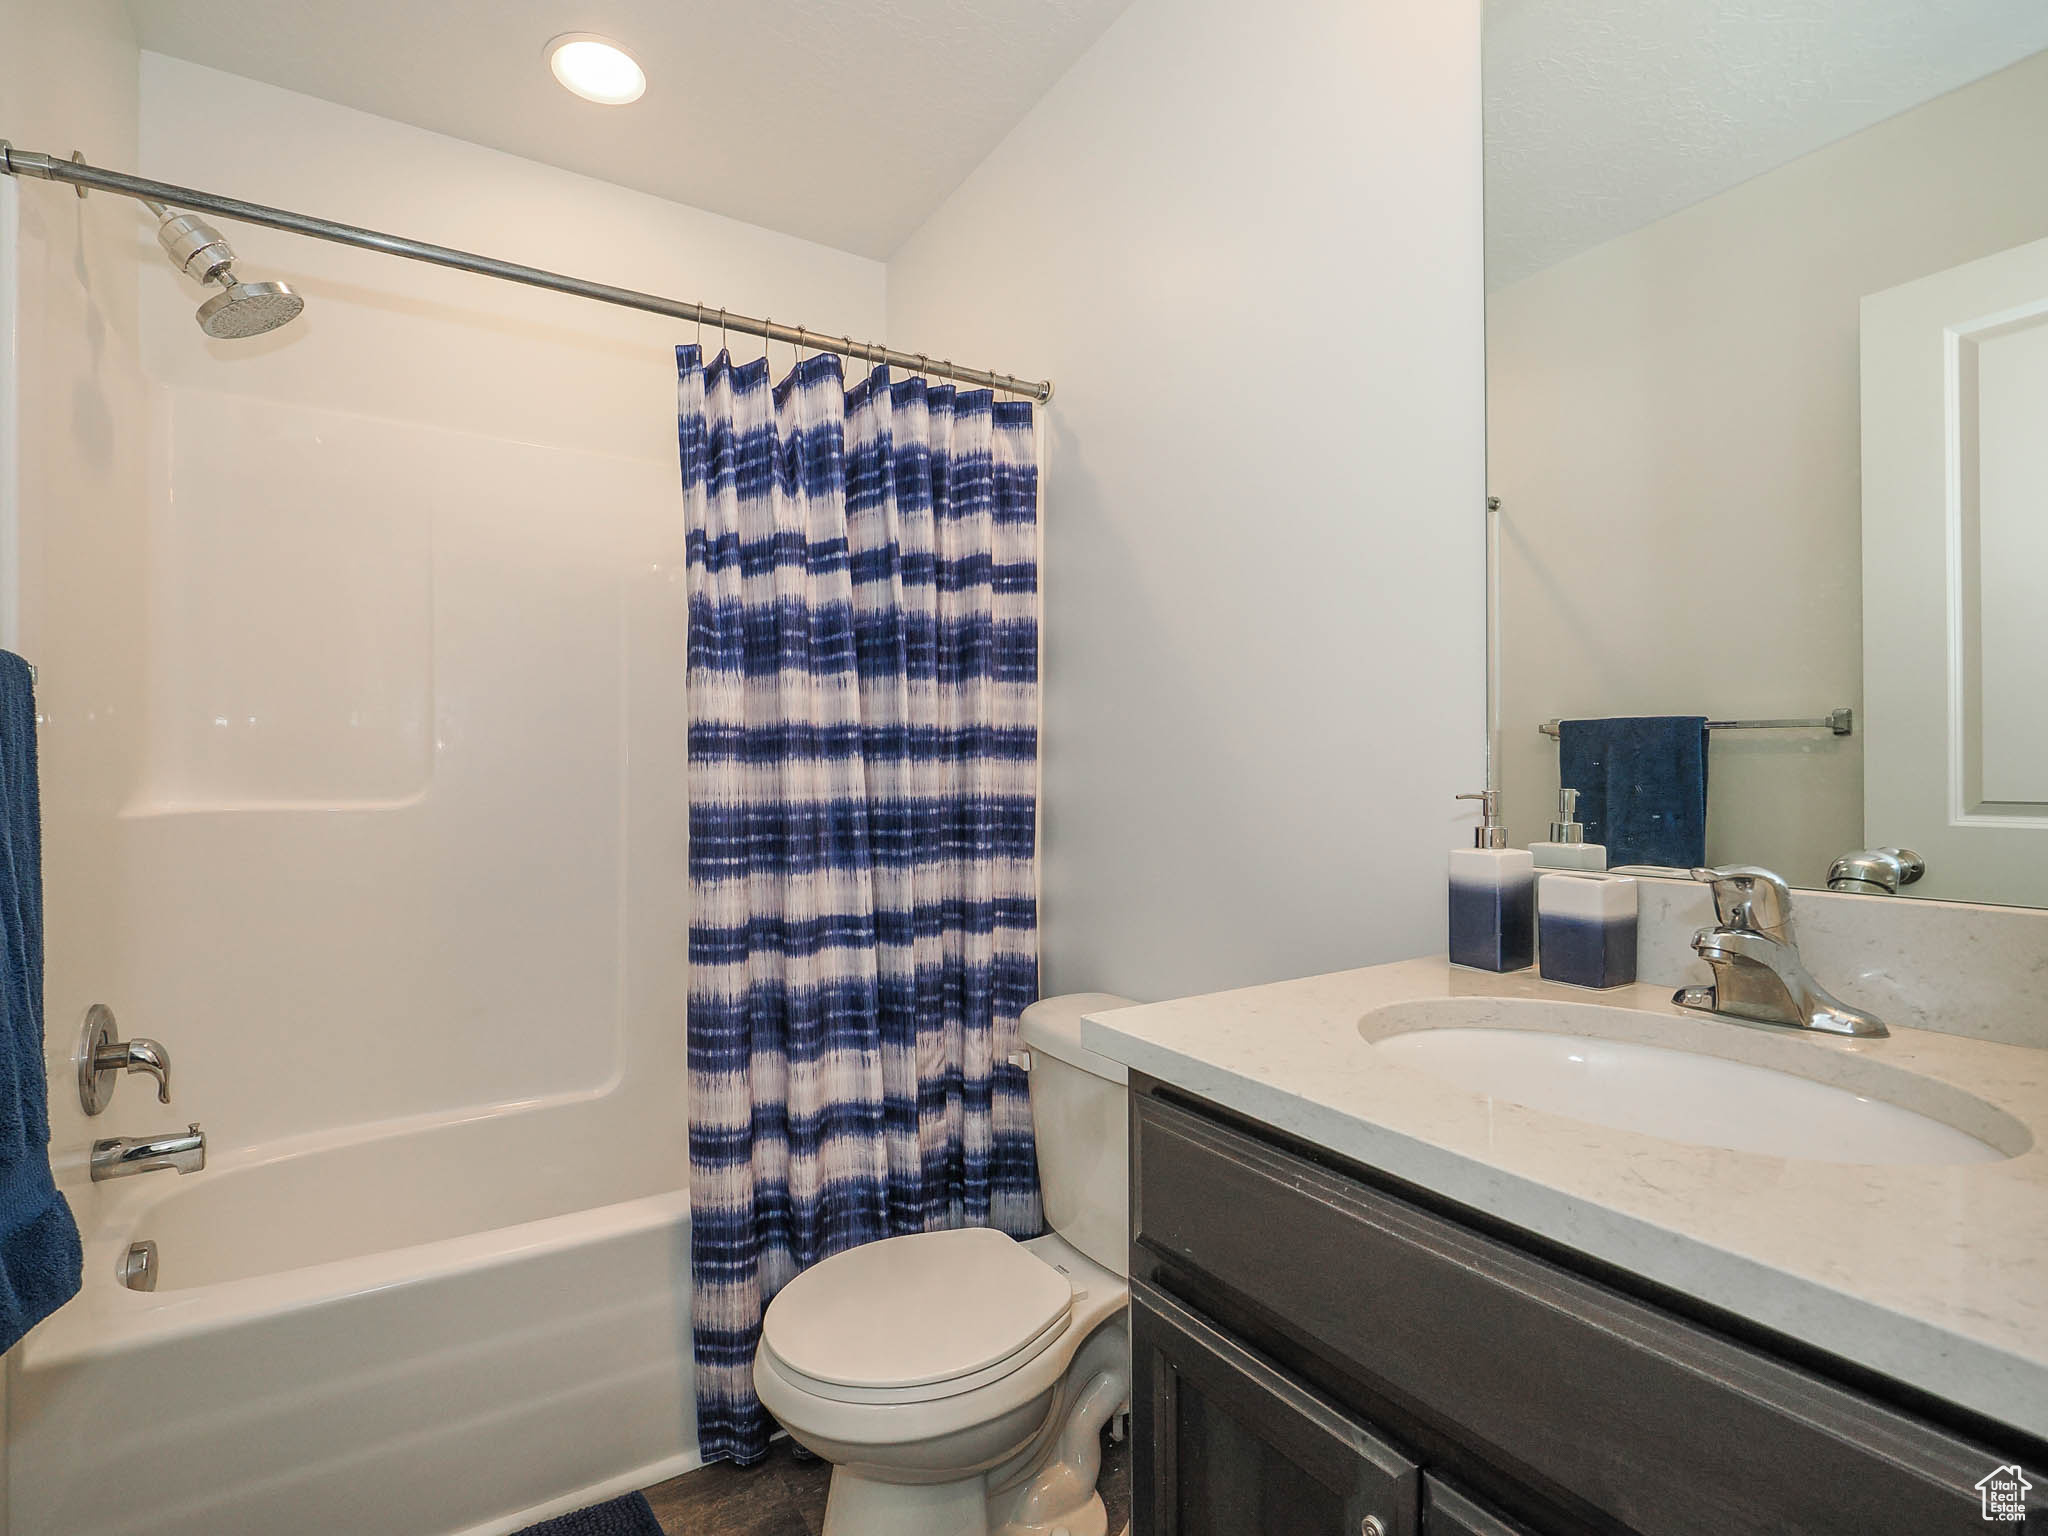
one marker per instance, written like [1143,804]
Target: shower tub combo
[393,864]
[460,1323]
[424,1330]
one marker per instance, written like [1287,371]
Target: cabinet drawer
[1644,1420]
[1225,1445]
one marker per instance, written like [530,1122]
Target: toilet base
[1016,1458]
[1091,1519]
[1048,1491]
[862,1506]
[1060,1498]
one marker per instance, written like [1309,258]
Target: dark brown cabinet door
[1225,1445]
[1447,1512]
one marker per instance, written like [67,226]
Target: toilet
[959,1381]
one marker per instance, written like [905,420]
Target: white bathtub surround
[71,489]
[1927,1274]
[462,1326]
[362,794]
[1950,966]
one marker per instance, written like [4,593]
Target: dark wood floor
[783,1496]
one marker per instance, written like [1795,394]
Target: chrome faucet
[103,1055]
[118,1156]
[1875,871]
[1758,974]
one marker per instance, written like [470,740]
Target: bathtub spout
[118,1156]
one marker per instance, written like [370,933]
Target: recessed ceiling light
[596,68]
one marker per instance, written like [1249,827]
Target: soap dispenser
[1493,896]
[1568,848]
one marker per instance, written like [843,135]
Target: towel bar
[1841,721]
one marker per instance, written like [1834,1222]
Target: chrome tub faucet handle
[140,1055]
[103,1055]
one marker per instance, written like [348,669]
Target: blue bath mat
[630,1516]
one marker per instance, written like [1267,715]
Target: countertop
[1935,1276]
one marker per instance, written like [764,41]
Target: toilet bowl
[958,1381]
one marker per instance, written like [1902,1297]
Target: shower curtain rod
[17,162]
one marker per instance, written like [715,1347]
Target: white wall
[405,831]
[1674,431]
[67,81]
[1244,241]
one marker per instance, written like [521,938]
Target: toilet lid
[912,1311]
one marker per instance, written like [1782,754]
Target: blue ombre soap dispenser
[1493,896]
[1588,922]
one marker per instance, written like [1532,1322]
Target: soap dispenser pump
[1493,896]
[1568,848]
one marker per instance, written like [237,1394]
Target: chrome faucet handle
[1751,899]
[102,1054]
[140,1055]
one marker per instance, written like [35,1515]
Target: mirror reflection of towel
[1642,783]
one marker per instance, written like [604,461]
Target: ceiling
[845,123]
[849,121]
[1606,115]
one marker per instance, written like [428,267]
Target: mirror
[1767,397]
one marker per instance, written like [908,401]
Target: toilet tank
[1080,1116]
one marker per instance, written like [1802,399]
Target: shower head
[202,253]
[248,309]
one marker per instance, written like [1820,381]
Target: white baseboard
[627,1482]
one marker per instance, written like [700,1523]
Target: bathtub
[429,1330]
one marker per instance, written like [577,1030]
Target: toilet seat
[916,1318]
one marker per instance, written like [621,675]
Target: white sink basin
[1682,1096]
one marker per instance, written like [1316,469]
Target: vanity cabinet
[1315,1348]
[1447,1512]
[1229,1446]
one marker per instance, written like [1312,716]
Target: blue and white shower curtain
[863,699]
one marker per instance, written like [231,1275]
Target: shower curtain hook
[724,341]
[799,346]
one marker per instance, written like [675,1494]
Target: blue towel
[1642,786]
[40,1261]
